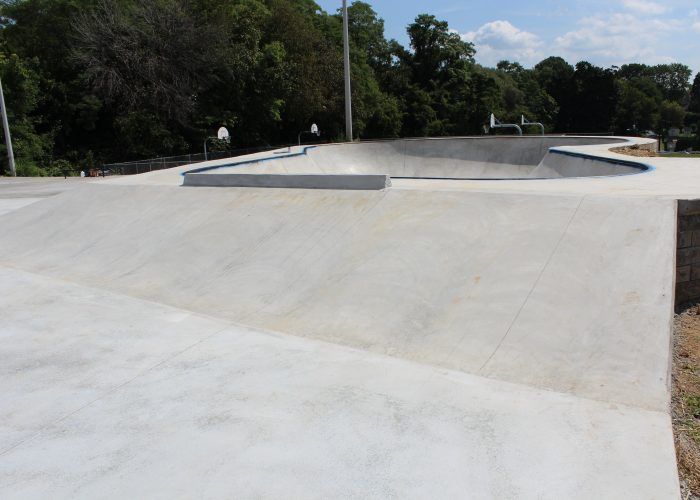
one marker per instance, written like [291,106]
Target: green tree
[637,107]
[437,51]
[122,79]
[149,62]
[22,97]
[639,100]
[67,113]
[522,94]
[671,115]
[592,101]
[314,68]
[555,77]
[673,80]
[376,113]
[692,117]
[439,90]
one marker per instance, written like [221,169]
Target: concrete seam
[114,389]
[438,370]
[405,147]
[534,285]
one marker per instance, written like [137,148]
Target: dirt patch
[686,399]
[634,151]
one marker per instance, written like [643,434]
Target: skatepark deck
[437,338]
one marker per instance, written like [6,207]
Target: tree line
[93,81]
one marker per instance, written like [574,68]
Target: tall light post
[348,89]
[8,139]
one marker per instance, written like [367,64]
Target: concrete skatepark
[493,321]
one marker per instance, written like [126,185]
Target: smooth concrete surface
[443,158]
[18,192]
[558,164]
[8,205]
[442,278]
[38,187]
[367,182]
[438,338]
[106,396]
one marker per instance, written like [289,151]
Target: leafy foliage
[90,81]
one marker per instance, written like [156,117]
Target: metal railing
[149,165]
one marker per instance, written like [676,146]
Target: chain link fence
[142,166]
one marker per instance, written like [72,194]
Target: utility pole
[348,90]
[8,139]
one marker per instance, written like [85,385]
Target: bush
[59,168]
[686,142]
[27,168]
[692,120]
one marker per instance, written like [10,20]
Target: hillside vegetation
[91,81]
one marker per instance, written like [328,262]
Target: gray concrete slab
[37,187]
[361,182]
[12,204]
[167,404]
[443,338]
[450,158]
[71,363]
[434,277]
[18,192]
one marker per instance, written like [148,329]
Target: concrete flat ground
[435,340]
[20,192]
[110,396]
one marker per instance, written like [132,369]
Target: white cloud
[644,6]
[500,40]
[616,39]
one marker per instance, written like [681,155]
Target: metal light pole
[8,139]
[348,90]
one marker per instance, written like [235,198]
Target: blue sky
[606,33]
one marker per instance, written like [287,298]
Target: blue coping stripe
[247,162]
[642,167]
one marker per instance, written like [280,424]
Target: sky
[605,33]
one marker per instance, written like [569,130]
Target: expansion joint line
[112,390]
[534,285]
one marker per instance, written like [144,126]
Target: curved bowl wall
[491,158]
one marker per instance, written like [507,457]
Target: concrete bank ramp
[170,342]
[538,290]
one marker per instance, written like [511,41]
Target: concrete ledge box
[292,181]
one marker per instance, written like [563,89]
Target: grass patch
[692,404]
[681,155]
